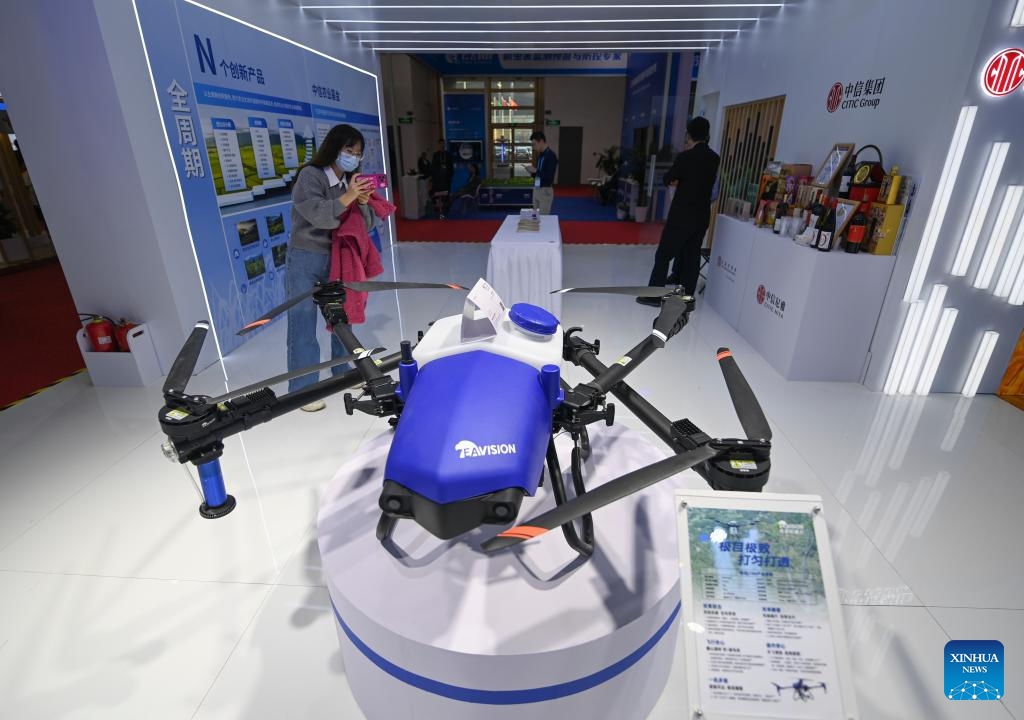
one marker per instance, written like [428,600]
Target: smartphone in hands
[378,180]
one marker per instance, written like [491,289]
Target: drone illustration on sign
[802,690]
[475,409]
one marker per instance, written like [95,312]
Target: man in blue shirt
[543,174]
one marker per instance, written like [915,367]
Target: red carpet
[40,322]
[574,232]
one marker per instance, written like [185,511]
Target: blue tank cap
[533,319]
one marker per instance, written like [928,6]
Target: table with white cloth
[527,266]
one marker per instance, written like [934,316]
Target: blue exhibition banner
[243,110]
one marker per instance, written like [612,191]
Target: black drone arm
[196,428]
[675,310]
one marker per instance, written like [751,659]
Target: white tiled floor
[118,601]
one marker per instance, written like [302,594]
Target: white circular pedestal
[449,633]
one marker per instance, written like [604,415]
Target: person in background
[442,167]
[327,189]
[468,189]
[693,176]
[423,165]
[543,173]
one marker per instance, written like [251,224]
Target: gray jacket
[316,209]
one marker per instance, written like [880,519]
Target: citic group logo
[760,294]
[835,96]
[1004,73]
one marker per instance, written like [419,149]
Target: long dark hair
[339,136]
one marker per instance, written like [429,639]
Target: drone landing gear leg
[585,545]
[385,526]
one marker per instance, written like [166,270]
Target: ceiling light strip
[940,202]
[982,201]
[1017,293]
[1012,264]
[585,43]
[576,21]
[1018,15]
[980,364]
[899,360]
[432,49]
[587,6]
[616,31]
[921,342]
[936,351]
[997,240]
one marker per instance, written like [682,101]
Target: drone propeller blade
[749,411]
[638,291]
[672,317]
[284,377]
[600,496]
[376,285]
[185,363]
[291,302]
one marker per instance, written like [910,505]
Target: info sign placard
[762,631]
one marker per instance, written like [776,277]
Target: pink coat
[354,258]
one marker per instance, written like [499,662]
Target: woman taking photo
[327,189]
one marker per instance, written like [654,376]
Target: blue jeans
[304,269]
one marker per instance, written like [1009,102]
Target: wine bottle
[828,228]
[855,233]
[819,212]
[781,212]
[809,214]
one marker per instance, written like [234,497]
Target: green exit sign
[554,123]
[405,121]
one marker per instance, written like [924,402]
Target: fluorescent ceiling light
[1012,264]
[432,49]
[586,43]
[1018,15]
[577,21]
[899,360]
[981,358]
[919,344]
[1007,211]
[936,351]
[541,32]
[1017,293]
[937,213]
[982,201]
[630,6]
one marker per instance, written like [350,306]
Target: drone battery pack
[474,423]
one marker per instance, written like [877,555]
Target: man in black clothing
[442,167]
[693,175]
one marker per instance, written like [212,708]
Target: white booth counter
[810,314]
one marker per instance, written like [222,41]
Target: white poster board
[762,628]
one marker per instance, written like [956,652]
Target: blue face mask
[347,162]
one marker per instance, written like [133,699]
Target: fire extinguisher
[121,333]
[100,330]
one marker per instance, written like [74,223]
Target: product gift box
[885,223]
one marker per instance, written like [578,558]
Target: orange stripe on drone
[724,354]
[256,324]
[523,532]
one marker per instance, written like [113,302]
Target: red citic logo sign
[760,295]
[835,96]
[1004,73]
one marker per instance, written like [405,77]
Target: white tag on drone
[482,300]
